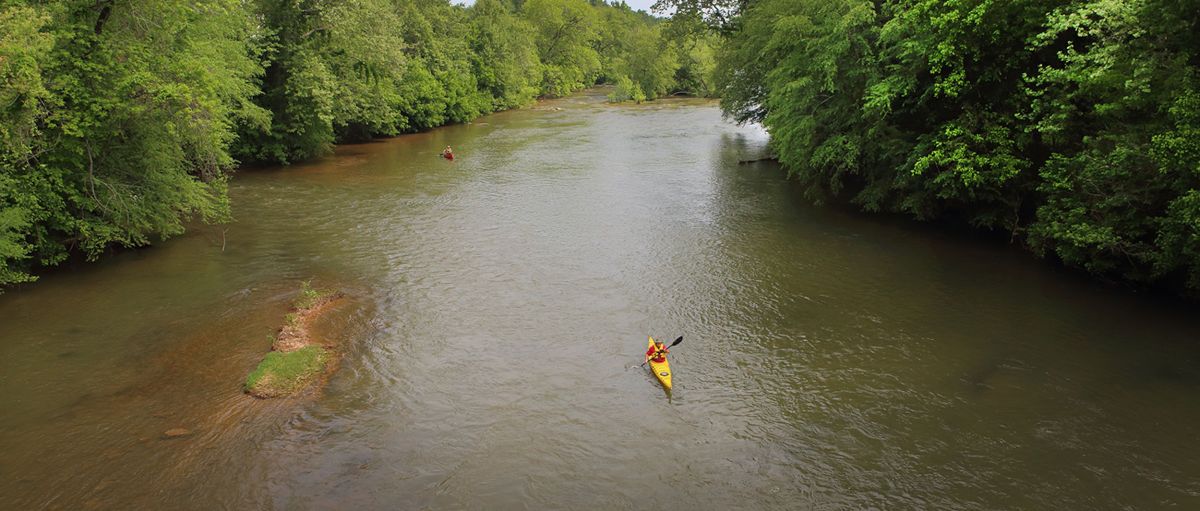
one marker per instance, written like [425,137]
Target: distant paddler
[448,153]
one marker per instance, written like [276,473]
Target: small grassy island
[296,360]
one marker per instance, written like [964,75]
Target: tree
[332,68]
[121,123]
[504,58]
[1121,115]
[24,48]
[1070,126]
[564,31]
[122,120]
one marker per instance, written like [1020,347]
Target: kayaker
[447,153]
[658,353]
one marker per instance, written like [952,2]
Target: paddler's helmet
[658,342]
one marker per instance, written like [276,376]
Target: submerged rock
[176,433]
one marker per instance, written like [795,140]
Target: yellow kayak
[661,370]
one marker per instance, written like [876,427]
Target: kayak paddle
[677,341]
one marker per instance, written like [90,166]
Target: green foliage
[581,44]
[23,47]
[330,67]
[1071,125]
[564,31]
[283,373]
[12,247]
[626,90]
[650,63]
[120,121]
[118,124]
[309,296]
[1121,113]
[697,64]
[504,57]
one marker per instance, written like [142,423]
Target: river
[830,360]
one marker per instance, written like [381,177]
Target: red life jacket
[661,357]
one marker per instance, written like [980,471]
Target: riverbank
[297,359]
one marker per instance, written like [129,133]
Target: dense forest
[1071,126]
[120,121]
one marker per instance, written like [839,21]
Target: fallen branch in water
[768,158]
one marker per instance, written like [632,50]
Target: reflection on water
[830,361]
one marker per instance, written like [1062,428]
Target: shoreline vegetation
[124,120]
[1069,127]
[297,361]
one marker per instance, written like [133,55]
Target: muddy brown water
[830,361]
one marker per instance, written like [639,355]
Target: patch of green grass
[280,374]
[308,296]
